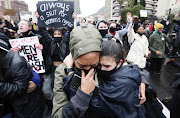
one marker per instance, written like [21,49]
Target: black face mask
[106,74]
[103,32]
[78,71]
[57,39]
[140,34]
[26,34]
[112,29]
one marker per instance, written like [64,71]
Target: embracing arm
[60,98]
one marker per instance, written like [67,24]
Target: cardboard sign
[29,52]
[10,12]
[143,13]
[55,13]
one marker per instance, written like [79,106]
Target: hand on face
[87,82]
[68,61]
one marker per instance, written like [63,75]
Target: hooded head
[84,39]
[85,45]
[102,26]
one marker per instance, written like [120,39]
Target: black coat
[63,46]
[17,73]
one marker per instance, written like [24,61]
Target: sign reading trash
[55,13]
[29,52]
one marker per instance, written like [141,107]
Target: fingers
[90,73]
[82,74]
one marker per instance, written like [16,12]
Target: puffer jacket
[17,74]
[117,96]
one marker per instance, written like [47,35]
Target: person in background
[157,47]
[166,24]
[102,26]
[139,44]
[44,39]
[120,33]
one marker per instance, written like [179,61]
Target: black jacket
[116,97]
[63,46]
[17,73]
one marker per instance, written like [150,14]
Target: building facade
[168,7]
[112,8]
[14,6]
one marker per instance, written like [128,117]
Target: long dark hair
[60,30]
[2,56]
[113,48]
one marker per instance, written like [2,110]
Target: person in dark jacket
[59,46]
[18,84]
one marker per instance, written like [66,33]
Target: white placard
[29,52]
[143,13]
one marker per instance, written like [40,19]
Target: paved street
[161,83]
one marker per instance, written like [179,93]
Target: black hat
[4,42]
[136,26]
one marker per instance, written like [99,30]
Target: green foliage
[130,3]
[135,11]
[143,3]
[170,17]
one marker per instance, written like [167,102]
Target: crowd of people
[88,71]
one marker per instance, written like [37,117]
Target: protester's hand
[68,61]
[134,18]
[37,14]
[10,30]
[87,82]
[74,15]
[16,49]
[39,46]
[158,53]
[32,86]
[129,17]
[142,95]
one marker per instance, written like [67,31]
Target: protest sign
[143,13]
[29,52]
[55,13]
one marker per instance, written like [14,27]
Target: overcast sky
[87,7]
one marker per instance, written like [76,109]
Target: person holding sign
[44,39]
[17,88]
